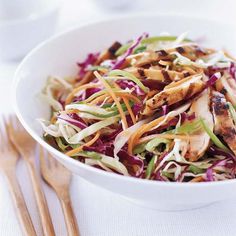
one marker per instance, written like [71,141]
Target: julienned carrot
[122,95]
[133,139]
[99,99]
[80,148]
[112,94]
[129,110]
[144,128]
[53,119]
[197,179]
[128,95]
[76,90]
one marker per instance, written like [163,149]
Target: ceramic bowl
[58,56]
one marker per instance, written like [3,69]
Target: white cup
[24,24]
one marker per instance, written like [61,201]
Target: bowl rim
[76,163]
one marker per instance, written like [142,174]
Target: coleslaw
[160,108]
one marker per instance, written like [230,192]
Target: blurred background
[25,23]
[222,10]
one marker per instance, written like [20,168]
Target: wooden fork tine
[43,164]
[3,139]
[9,125]
[8,166]
[51,161]
[19,137]
[14,122]
[5,123]
[61,187]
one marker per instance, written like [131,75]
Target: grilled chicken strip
[196,147]
[149,57]
[175,92]
[224,125]
[159,74]
[227,86]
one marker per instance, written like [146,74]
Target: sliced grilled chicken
[178,91]
[224,125]
[190,51]
[196,147]
[227,86]
[147,58]
[157,74]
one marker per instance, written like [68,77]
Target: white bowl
[58,56]
[23,27]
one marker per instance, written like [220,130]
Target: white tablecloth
[100,212]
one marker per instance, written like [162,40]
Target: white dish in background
[24,24]
[58,56]
[115,5]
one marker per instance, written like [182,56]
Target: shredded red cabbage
[209,172]
[182,173]
[232,70]
[212,79]
[185,116]
[130,85]
[129,51]
[133,163]
[209,175]
[90,60]
[73,119]
[228,157]
[217,151]
[112,136]
[136,108]
[157,173]
[161,128]
[91,91]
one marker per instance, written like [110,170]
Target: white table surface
[100,212]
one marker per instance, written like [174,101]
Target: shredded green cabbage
[150,167]
[139,148]
[107,163]
[213,137]
[92,129]
[195,170]
[151,145]
[146,41]
[129,76]
[91,155]
[232,111]
[187,128]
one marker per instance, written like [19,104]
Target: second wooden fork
[59,178]
[8,161]
[25,145]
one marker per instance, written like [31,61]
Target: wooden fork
[25,145]
[59,178]
[8,161]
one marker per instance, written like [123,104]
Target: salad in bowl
[156,107]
